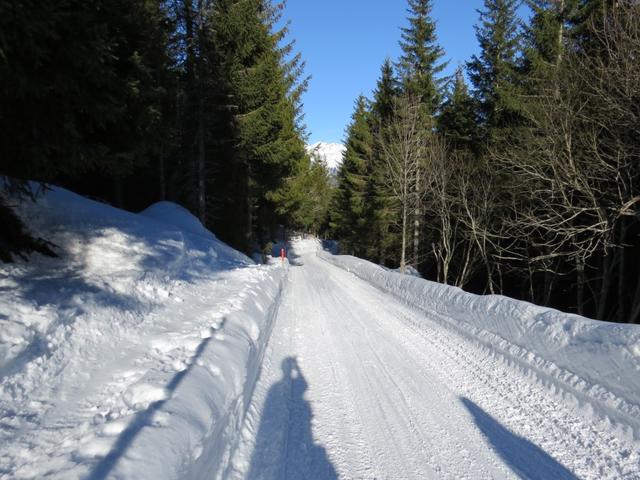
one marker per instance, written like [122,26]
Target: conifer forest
[519,175]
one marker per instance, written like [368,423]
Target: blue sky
[344,43]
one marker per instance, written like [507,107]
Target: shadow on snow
[142,419]
[284,447]
[526,459]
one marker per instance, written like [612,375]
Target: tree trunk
[549,277]
[622,287]
[580,286]
[202,201]
[416,222]
[635,305]
[487,266]
[560,43]
[163,180]
[605,285]
[532,296]
[403,260]
[190,94]
[462,276]
[248,234]
[118,191]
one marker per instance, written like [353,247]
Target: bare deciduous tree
[403,147]
[577,169]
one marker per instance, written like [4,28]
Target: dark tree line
[136,101]
[524,183]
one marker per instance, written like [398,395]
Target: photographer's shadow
[284,446]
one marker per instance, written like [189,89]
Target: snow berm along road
[159,352]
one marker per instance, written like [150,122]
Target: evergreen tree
[306,196]
[257,106]
[78,88]
[420,61]
[494,73]
[81,92]
[202,96]
[543,38]
[268,138]
[586,17]
[384,96]
[419,66]
[348,216]
[457,121]
[379,212]
[204,119]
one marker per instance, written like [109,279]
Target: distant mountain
[330,152]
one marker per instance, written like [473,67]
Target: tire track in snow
[388,383]
[429,429]
[591,451]
[518,399]
[353,454]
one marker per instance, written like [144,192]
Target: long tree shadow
[525,459]
[284,447]
[63,289]
[66,283]
[143,419]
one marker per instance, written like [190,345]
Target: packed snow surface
[135,353]
[371,378]
[599,362]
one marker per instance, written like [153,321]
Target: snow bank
[176,215]
[193,434]
[135,354]
[597,363]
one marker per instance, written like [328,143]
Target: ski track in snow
[358,385]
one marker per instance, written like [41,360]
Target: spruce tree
[457,120]
[348,216]
[419,65]
[420,62]
[78,89]
[379,213]
[494,73]
[260,104]
[82,92]
[543,38]
[385,94]
[306,196]
[585,18]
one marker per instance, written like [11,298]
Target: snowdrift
[135,354]
[595,363]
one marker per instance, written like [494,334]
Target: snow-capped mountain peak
[330,152]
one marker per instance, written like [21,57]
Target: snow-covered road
[135,356]
[357,385]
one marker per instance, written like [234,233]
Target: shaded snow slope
[596,364]
[135,353]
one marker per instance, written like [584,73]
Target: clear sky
[345,42]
